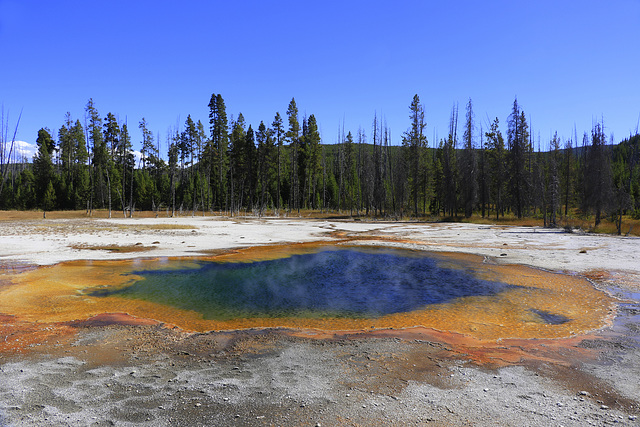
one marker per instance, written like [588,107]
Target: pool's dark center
[330,283]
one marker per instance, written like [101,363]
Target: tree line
[283,166]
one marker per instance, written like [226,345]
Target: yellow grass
[96,213]
[629,225]
[138,247]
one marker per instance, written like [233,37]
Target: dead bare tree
[5,156]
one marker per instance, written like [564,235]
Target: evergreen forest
[227,166]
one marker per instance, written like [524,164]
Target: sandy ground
[115,371]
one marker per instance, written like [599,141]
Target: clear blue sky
[568,62]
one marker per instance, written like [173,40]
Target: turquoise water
[333,282]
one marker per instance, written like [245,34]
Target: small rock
[604,407]
[584,393]
[632,417]
[485,390]
[198,404]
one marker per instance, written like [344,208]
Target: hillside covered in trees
[228,166]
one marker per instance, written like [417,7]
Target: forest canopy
[228,166]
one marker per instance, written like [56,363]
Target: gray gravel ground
[150,376]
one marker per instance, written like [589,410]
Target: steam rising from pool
[334,282]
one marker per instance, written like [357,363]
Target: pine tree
[519,152]
[312,160]
[152,168]
[414,142]
[99,155]
[188,149]
[43,170]
[174,156]
[379,187]
[553,180]
[111,135]
[148,151]
[126,163]
[365,172]
[81,179]
[277,130]
[250,167]
[350,173]
[65,163]
[450,166]
[568,174]
[293,135]
[67,149]
[483,175]
[265,144]
[218,148]
[497,168]
[597,175]
[238,167]
[468,166]
[202,183]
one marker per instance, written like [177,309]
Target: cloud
[22,151]
[138,156]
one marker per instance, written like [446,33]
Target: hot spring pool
[315,287]
[333,282]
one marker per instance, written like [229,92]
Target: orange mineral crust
[61,293]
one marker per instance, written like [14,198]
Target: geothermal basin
[316,286]
[217,321]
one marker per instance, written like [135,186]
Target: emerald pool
[331,282]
